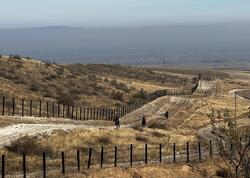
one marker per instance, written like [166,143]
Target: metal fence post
[13,106]
[131,154]
[24,166]
[3,167]
[44,166]
[78,160]
[63,164]
[174,157]
[89,160]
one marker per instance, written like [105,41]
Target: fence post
[76,113]
[146,153]
[58,110]
[47,109]
[22,107]
[3,105]
[199,147]
[84,111]
[3,166]
[91,113]
[72,114]
[63,110]
[94,113]
[68,111]
[30,107]
[210,148]
[115,156]
[53,109]
[78,159]
[40,108]
[102,156]
[87,114]
[80,113]
[89,161]
[44,166]
[24,166]
[187,152]
[131,154]
[63,164]
[160,154]
[13,106]
[174,153]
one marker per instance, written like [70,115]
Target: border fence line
[10,106]
[106,156]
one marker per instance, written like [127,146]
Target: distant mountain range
[130,45]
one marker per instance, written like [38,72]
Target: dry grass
[86,85]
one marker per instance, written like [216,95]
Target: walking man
[117,122]
[166,114]
[143,122]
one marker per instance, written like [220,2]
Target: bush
[157,134]
[17,57]
[117,95]
[141,138]
[140,94]
[65,99]
[34,87]
[1,55]
[104,140]
[29,146]
[222,173]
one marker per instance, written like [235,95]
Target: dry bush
[29,146]
[157,134]
[138,128]
[35,86]
[104,140]
[140,94]
[141,138]
[116,95]
[157,126]
[136,175]
[66,99]
[222,173]
[233,149]
[16,57]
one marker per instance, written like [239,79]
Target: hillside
[87,85]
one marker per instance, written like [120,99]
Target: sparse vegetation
[234,146]
[28,146]
[35,86]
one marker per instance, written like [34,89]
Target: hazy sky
[89,13]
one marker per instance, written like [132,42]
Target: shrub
[35,87]
[141,138]
[65,99]
[222,173]
[104,140]
[1,55]
[60,71]
[29,146]
[117,95]
[140,94]
[17,57]
[157,134]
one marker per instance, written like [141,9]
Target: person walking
[143,121]
[166,114]
[117,121]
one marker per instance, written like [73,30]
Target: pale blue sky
[92,13]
